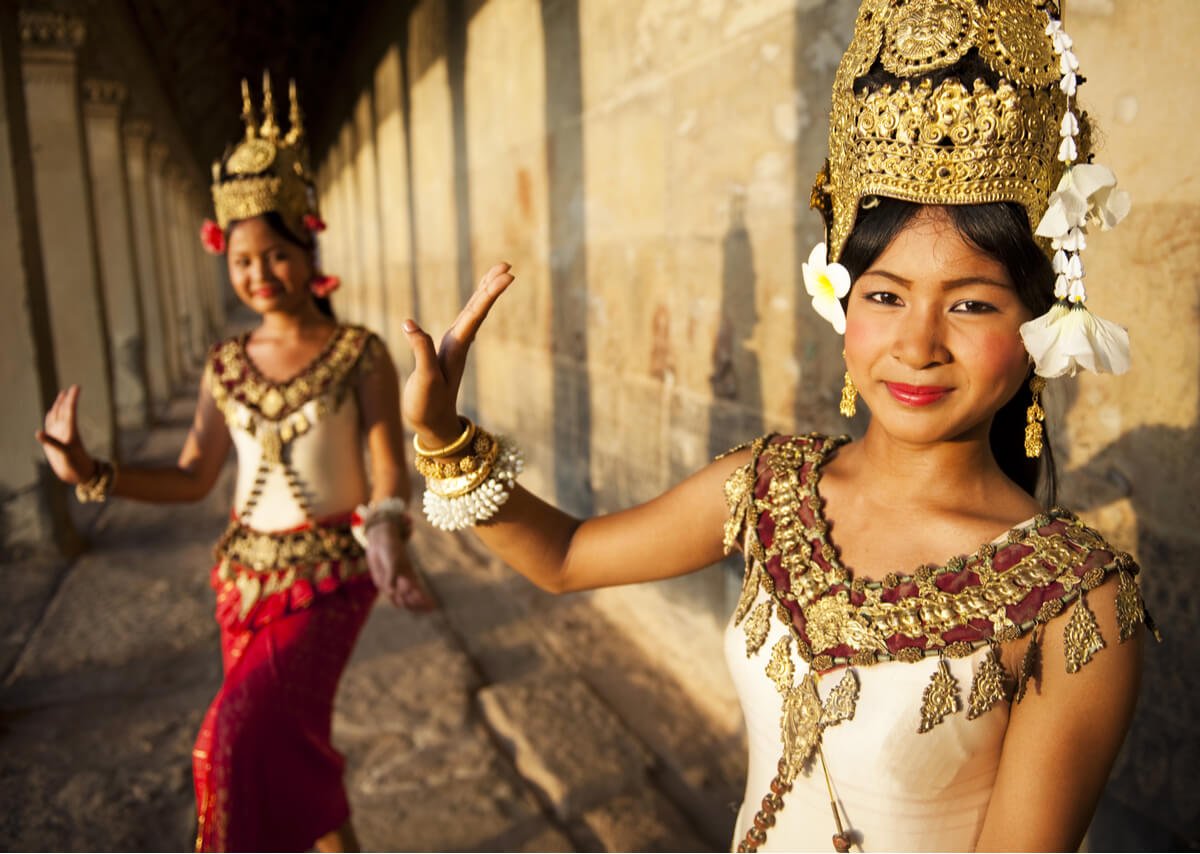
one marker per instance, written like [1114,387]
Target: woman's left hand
[393,571]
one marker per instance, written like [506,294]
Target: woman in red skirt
[312,537]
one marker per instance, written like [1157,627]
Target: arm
[676,533]
[1062,739]
[391,568]
[190,479]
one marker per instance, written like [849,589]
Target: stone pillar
[206,267]
[193,319]
[352,269]
[63,192]
[333,240]
[33,505]
[163,263]
[118,258]
[137,135]
[374,298]
[395,194]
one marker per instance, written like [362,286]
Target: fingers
[425,357]
[453,352]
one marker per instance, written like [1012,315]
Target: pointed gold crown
[954,142]
[266,171]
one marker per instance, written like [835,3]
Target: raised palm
[430,400]
[61,442]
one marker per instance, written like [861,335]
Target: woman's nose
[920,338]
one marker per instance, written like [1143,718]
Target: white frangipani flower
[1086,190]
[826,284]
[1069,337]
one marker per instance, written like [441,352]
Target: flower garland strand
[1069,337]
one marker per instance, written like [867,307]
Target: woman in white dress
[928,657]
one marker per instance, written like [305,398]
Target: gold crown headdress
[961,142]
[267,171]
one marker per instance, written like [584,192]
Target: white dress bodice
[326,460]
[899,789]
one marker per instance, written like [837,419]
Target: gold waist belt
[264,552]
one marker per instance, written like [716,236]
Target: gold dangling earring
[849,404]
[1034,416]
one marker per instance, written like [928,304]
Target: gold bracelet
[454,447]
[442,469]
[97,488]
[455,487]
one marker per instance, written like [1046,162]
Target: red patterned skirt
[266,774]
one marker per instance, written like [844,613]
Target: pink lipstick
[917,395]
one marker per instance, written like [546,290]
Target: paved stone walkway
[508,720]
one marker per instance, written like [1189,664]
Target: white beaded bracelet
[482,502]
[366,515]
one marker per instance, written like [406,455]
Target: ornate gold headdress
[266,171]
[958,142]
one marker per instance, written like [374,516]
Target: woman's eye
[884,298]
[973,306]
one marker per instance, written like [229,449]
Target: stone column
[333,240]
[395,194]
[374,297]
[137,135]
[118,258]
[33,504]
[195,331]
[163,263]
[352,269]
[63,192]
[206,267]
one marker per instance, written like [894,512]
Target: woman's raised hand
[430,401]
[60,440]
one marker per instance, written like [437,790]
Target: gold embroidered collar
[234,377]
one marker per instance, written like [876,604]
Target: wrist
[445,440]
[391,512]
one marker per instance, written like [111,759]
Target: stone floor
[508,720]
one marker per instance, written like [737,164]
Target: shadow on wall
[572,409]
[735,415]
[1151,800]
[457,16]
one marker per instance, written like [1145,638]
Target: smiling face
[932,339]
[268,271]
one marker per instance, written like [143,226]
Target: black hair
[1001,230]
[279,226]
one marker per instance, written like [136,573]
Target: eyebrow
[948,284]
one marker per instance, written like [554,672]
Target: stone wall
[645,165]
[99,210]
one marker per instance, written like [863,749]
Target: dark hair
[1001,230]
[277,224]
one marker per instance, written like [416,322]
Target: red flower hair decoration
[212,237]
[314,223]
[323,285]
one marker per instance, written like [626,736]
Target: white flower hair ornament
[827,284]
[1069,337]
